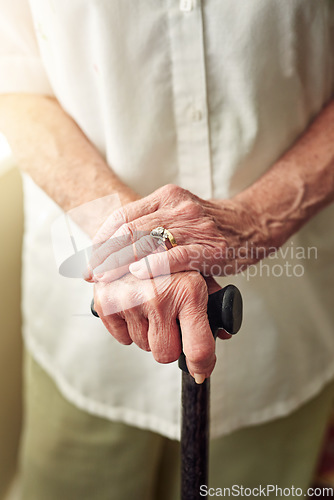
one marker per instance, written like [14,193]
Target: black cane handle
[224,312]
[94,313]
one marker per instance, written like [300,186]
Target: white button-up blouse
[206,94]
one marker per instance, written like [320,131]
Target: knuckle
[113,298]
[130,298]
[181,254]
[171,188]
[109,308]
[126,229]
[156,313]
[161,266]
[170,191]
[130,228]
[195,285]
[118,215]
[209,225]
[192,209]
[199,354]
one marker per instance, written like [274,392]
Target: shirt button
[196,115]
[186,5]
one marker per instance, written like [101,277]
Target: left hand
[216,238]
[146,313]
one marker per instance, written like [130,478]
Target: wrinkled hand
[145,312]
[213,237]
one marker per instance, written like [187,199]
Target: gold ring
[171,238]
[162,235]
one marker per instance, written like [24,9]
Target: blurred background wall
[11,227]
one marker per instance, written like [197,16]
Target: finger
[175,260]
[123,239]
[110,276]
[184,231]
[126,214]
[198,342]
[137,326]
[117,264]
[117,327]
[137,209]
[164,338]
[120,296]
[129,233]
[132,231]
[110,246]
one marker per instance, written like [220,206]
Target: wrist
[248,221]
[272,208]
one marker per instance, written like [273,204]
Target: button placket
[190,97]
[186,5]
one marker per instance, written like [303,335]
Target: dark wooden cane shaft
[224,311]
[194,436]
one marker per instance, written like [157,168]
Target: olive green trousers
[69,454]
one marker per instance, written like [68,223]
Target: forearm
[52,149]
[214,237]
[298,185]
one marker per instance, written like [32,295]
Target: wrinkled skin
[207,235]
[145,312]
[213,237]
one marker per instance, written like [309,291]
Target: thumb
[212,284]
[175,260]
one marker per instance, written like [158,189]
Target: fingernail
[199,378]
[134,267]
[87,274]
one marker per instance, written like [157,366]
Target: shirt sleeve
[21,67]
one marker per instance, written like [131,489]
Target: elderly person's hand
[145,312]
[213,237]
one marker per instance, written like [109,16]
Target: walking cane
[224,311]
